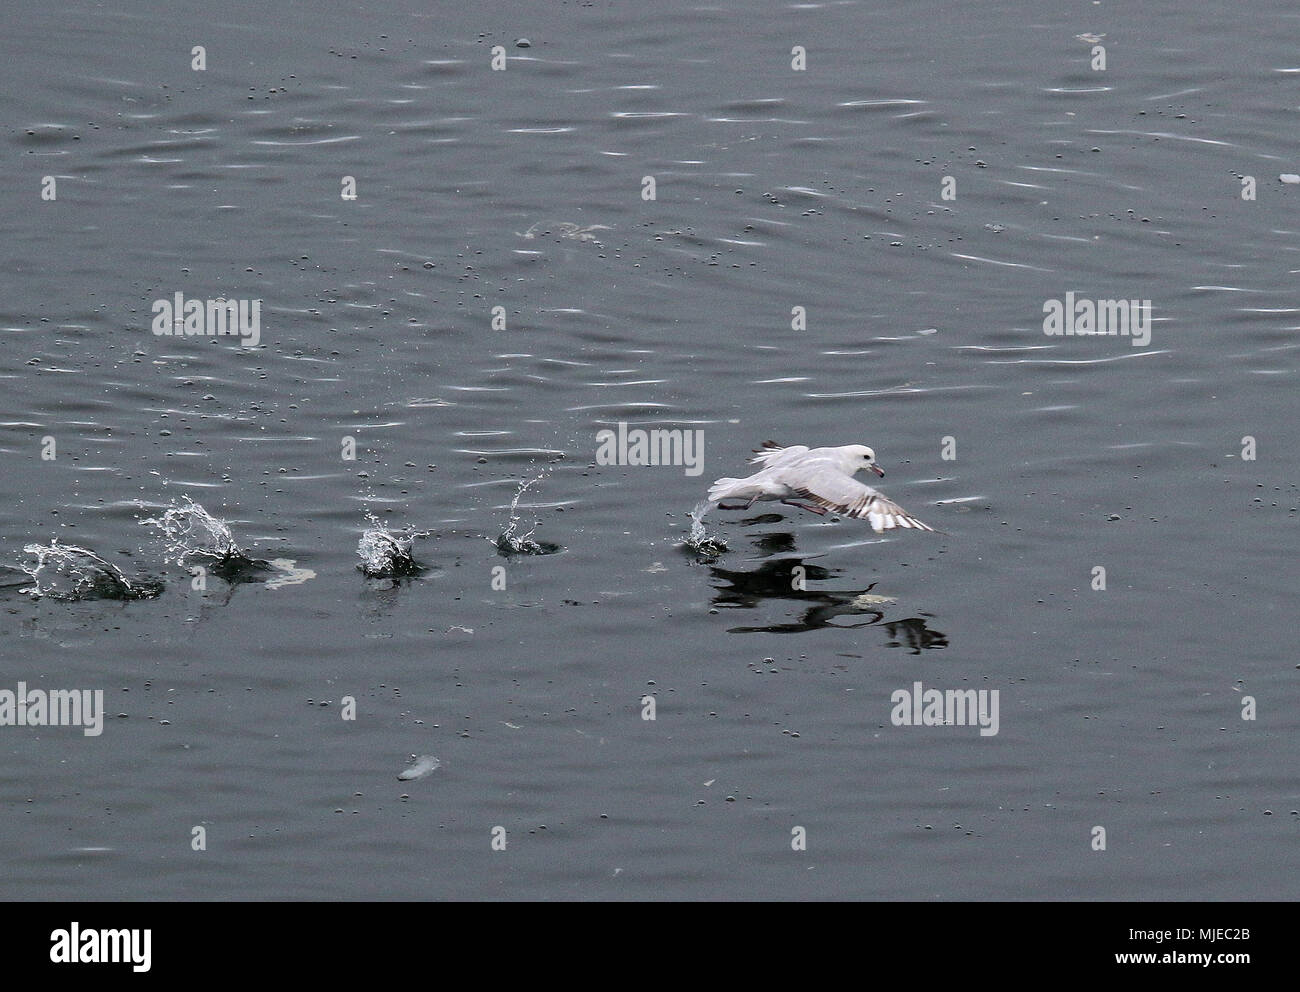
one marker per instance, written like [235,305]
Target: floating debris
[871,599]
[564,229]
[425,764]
[291,574]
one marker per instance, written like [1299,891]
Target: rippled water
[386,381]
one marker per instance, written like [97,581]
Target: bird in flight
[822,478]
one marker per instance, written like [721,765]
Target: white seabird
[821,476]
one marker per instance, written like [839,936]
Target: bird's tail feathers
[721,489]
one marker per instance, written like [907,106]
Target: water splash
[192,532]
[386,554]
[65,571]
[196,537]
[510,542]
[698,540]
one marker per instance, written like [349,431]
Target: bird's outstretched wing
[845,495]
[770,453]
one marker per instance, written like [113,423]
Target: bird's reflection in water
[790,577]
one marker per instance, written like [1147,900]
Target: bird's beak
[877,469]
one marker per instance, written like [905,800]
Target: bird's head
[858,457]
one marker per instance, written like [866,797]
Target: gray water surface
[775,188]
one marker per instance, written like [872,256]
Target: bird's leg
[803,506]
[751,502]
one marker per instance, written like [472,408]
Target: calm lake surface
[929,180]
